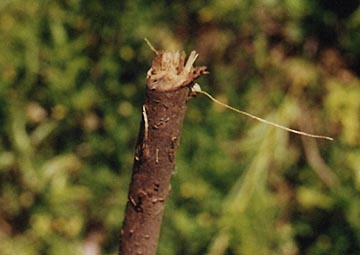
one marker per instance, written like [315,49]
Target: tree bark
[167,92]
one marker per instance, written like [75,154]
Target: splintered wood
[169,71]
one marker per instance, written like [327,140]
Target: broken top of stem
[169,70]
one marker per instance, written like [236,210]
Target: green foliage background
[72,79]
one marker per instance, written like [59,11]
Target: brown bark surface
[164,109]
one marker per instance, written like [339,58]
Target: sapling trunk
[167,92]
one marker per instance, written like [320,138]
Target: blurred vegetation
[72,79]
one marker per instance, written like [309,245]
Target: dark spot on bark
[171,156]
[156,187]
[138,206]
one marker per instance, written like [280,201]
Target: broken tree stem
[163,112]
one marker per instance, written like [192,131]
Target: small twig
[151,46]
[197,89]
[146,122]
[157,156]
